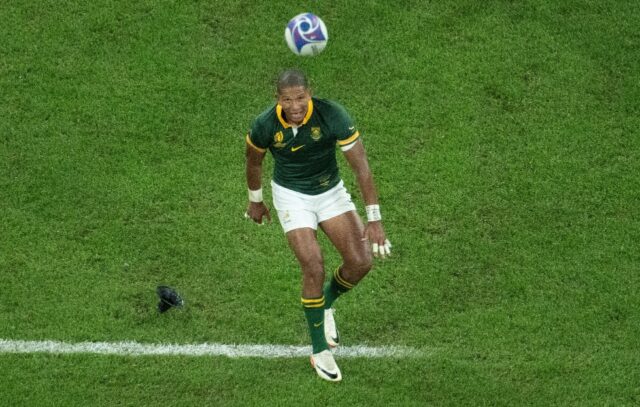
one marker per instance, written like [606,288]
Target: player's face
[295,103]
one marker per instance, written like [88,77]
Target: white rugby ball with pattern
[306,34]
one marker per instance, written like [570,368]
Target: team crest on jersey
[278,139]
[316,133]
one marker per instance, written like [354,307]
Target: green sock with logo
[314,312]
[335,288]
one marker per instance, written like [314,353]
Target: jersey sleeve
[344,128]
[257,137]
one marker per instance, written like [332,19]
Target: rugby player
[302,132]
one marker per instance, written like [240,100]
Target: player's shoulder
[331,110]
[266,117]
[262,127]
[266,121]
[328,105]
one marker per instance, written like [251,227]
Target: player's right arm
[256,210]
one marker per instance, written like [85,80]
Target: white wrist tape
[255,196]
[373,213]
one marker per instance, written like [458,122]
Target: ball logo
[306,34]
[305,30]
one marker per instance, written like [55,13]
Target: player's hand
[257,211]
[380,245]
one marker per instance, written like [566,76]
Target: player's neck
[294,125]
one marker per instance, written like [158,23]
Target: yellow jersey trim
[350,140]
[262,150]
[304,121]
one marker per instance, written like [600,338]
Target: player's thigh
[346,233]
[304,243]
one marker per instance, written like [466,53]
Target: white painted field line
[205,349]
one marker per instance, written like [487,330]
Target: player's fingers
[383,251]
[387,243]
[374,249]
[257,222]
[386,249]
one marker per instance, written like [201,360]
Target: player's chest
[301,142]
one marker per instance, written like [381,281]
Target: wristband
[373,213]
[255,196]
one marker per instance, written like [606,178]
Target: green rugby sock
[314,312]
[335,288]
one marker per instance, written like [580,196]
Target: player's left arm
[374,232]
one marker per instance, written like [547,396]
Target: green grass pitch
[503,136]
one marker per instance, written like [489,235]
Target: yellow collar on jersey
[304,121]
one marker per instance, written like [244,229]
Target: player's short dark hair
[291,78]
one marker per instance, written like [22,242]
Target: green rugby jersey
[305,162]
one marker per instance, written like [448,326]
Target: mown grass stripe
[204,349]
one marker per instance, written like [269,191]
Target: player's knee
[311,261]
[312,266]
[366,264]
[360,264]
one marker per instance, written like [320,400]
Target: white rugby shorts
[297,210]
